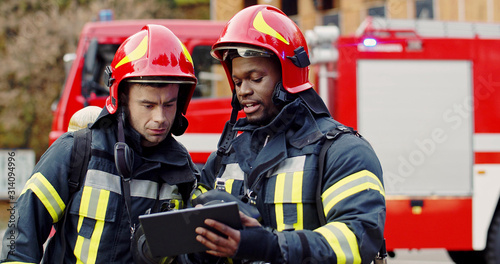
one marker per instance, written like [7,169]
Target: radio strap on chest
[124,161]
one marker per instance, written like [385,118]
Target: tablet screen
[173,233]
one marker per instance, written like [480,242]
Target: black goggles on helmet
[244,52]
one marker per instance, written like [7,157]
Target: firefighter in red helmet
[134,163]
[316,183]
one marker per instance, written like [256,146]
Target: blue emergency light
[370,42]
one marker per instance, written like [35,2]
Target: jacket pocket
[286,195]
[94,208]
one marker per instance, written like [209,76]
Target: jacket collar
[168,152]
[296,119]
[294,125]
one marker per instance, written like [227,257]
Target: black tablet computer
[173,233]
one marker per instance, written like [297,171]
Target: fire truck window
[376,11]
[424,9]
[100,55]
[212,80]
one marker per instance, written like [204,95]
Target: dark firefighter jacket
[97,228]
[278,165]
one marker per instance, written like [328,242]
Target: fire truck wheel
[493,244]
[467,257]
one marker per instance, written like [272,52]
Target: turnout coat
[97,228]
[275,167]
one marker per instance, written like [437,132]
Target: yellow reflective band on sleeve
[350,185]
[342,241]
[47,194]
[94,204]
[289,190]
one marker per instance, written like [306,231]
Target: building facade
[348,14]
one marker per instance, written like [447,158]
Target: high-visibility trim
[168,191]
[291,165]
[47,194]
[138,188]
[297,196]
[202,189]
[94,204]
[177,204]
[87,190]
[144,188]
[278,201]
[198,191]
[228,184]
[103,180]
[350,185]
[288,189]
[99,226]
[342,241]
[233,171]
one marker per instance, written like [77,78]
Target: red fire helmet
[258,29]
[153,55]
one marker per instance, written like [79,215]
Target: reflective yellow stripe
[99,226]
[47,194]
[202,188]
[84,206]
[198,191]
[355,183]
[28,183]
[297,198]
[278,201]
[342,241]
[94,204]
[289,190]
[229,185]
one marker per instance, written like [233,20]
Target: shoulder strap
[330,137]
[80,156]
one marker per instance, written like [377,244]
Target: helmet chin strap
[228,133]
[281,96]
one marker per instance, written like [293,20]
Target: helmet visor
[156,79]
[245,52]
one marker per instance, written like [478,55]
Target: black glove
[216,196]
[141,252]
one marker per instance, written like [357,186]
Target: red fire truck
[426,94]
